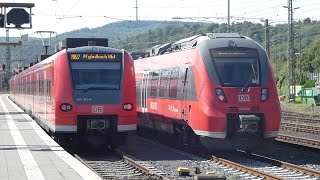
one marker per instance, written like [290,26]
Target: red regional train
[82,94]
[215,90]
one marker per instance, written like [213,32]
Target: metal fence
[314,76]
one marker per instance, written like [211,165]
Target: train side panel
[128,119]
[63,121]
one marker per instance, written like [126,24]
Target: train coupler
[249,123]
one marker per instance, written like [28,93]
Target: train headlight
[65,107]
[264,94]
[128,106]
[220,94]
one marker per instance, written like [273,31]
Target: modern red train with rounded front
[217,89]
[83,94]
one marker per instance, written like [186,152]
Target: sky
[66,15]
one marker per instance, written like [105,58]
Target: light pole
[46,45]
[267,41]
[228,27]
[290,74]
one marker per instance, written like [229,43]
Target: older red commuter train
[82,94]
[215,90]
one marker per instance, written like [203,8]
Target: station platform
[27,152]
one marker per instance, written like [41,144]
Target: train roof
[79,42]
[190,42]
[70,43]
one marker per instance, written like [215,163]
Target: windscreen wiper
[248,82]
[99,88]
[250,79]
[85,90]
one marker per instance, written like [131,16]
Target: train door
[144,101]
[23,90]
[30,94]
[37,97]
[184,93]
[45,94]
[144,91]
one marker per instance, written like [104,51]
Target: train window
[173,85]
[52,75]
[163,83]
[154,83]
[238,71]
[48,91]
[21,86]
[96,75]
[30,85]
[182,77]
[236,67]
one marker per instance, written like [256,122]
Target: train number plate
[244,98]
[97,109]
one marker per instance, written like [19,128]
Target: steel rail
[243,168]
[300,127]
[282,164]
[299,140]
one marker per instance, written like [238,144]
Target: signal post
[13,16]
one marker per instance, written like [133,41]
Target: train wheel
[189,140]
[75,144]
[185,136]
[67,141]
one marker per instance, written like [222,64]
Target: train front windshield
[236,67]
[96,75]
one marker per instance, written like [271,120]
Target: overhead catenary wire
[239,18]
[65,14]
[238,12]
[180,36]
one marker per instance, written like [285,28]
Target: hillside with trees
[142,35]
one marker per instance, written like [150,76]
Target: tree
[307,21]
[212,26]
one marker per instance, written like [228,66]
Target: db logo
[153,105]
[244,98]
[97,109]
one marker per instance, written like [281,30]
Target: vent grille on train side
[233,109]
[255,109]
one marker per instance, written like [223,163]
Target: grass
[300,107]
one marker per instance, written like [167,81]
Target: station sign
[233,52]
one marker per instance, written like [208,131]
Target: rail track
[221,166]
[288,116]
[299,141]
[263,167]
[307,126]
[234,166]
[250,167]
[240,170]
[300,128]
[113,165]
